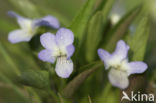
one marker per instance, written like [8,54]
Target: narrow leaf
[6,25]
[9,60]
[37,79]
[106,9]
[120,29]
[7,88]
[79,24]
[138,41]
[107,94]
[94,36]
[89,98]
[78,80]
[29,10]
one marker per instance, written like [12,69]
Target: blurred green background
[17,58]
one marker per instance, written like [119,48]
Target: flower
[119,66]
[58,47]
[29,27]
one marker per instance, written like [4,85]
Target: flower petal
[19,36]
[64,37]
[13,14]
[24,23]
[137,67]
[48,41]
[46,56]
[121,50]
[104,56]
[49,21]
[70,50]
[118,78]
[64,67]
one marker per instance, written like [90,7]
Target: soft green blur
[19,61]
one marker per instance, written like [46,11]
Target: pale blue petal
[104,56]
[13,14]
[24,23]
[137,67]
[118,78]
[64,67]
[64,37]
[46,56]
[49,21]
[121,50]
[19,36]
[48,41]
[70,50]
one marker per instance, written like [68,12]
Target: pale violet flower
[118,64]
[58,48]
[28,27]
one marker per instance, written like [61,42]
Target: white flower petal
[118,78]
[137,67]
[24,23]
[64,67]
[19,36]
[121,51]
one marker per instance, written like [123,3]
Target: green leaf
[15,94]
[106,9]
[138,41]
[89,98]
[95,29]
[107,94]
[27,11]
[6,26]
[63,100]
[37,79]
[16,58]
[14,69]
[153,78]
[120,29]
[9,95]
[73,85]
[79,24]
[34,97]
[24,56]
[94,36]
